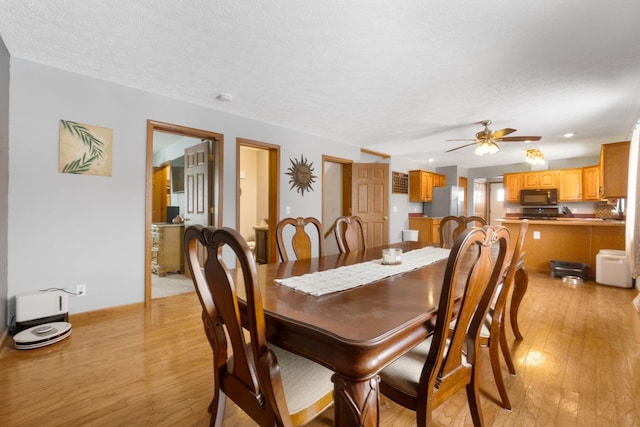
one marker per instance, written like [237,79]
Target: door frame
[215,203]
[274,185]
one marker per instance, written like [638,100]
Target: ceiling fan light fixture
[487,147]
[535,156]
[483,148]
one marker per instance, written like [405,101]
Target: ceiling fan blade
[502,132]
[520,138]
[465,139]
[462,146]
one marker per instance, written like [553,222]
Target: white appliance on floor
[612,268]
[41,319]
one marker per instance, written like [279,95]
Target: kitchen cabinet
[512,187]
[439,180]
[570,185]
[591,183]
[614,163]
[167,254]
[575,241]
[420,186]
[540,179]
[428,229]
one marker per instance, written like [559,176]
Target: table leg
[520,283]
[356,403]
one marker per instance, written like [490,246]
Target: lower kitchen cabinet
[428,229]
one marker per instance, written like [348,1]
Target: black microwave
[547,197]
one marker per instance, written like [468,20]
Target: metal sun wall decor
[85,149]
[301,173]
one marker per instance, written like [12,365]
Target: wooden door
[159,184]
[463,182]
[480,198]
[370,200]
[196,189]
[196,174]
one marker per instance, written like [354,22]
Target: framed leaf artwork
[85,149]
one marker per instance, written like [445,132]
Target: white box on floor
[410,235]
[612,268]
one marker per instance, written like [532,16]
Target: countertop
[599,222]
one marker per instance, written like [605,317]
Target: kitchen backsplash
[605,211]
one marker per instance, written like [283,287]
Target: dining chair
[273,386]
[434,370]
[476,221]
[451,226]
[520,284]
[349,232]
[493,333]
[301,241]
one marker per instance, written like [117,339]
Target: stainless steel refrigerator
[446,201]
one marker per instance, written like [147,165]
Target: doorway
[496,202]
[195,197]
[336,197]
[257,196]
[480,198]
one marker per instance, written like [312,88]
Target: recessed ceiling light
[431,160]
[224,97]
[568,135]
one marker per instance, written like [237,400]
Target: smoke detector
[224,97]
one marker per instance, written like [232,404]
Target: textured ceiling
[398,77]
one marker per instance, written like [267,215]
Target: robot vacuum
[42,335]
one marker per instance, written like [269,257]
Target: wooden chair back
[251,375]
[476,221]
[452,226]
[493,334]
[301,241]
[349,232]
[474,268]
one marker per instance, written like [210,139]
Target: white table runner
[352,276]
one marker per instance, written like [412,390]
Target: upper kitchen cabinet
[591,183]
[421,185]
[540,179]
[570,185]
[614,164]
[512,187]
[439,180]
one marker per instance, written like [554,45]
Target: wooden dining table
[354,332]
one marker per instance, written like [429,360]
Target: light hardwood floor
[579,365]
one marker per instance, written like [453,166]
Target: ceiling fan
[488,138]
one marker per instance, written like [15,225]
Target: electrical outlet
[81,290]
[536,235]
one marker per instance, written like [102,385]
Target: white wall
[4,179]
[399,204]
[63,229]
[69,229]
